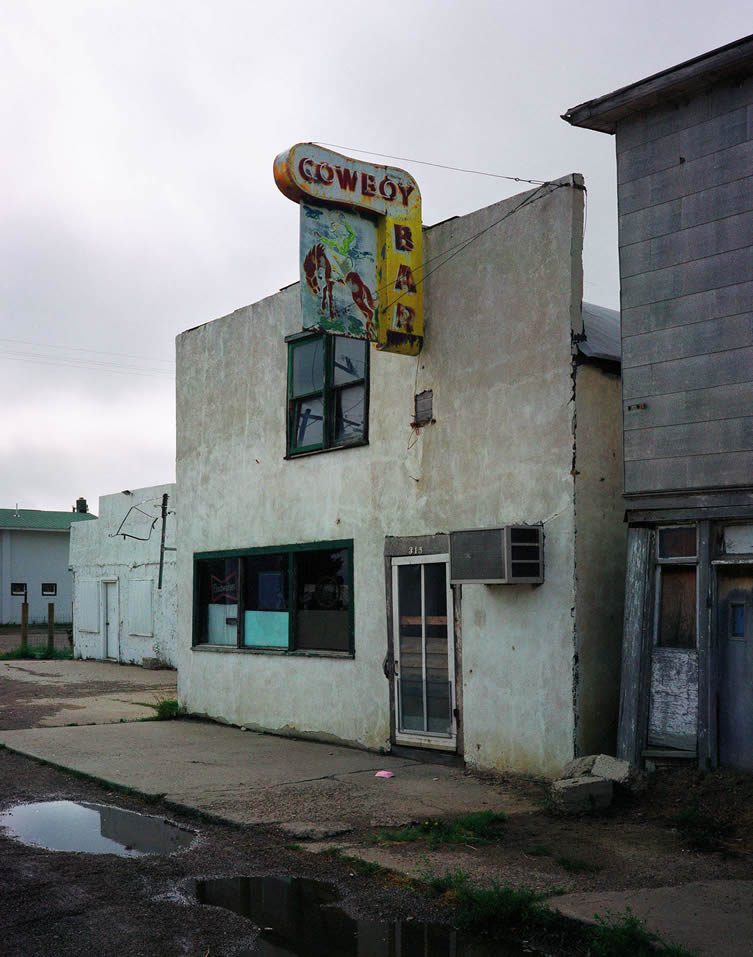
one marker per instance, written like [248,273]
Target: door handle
[388,666]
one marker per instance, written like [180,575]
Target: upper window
[18,588]
[677,599]
[295,598]
[49,589]
[328,392]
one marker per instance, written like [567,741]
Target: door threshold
[428,755]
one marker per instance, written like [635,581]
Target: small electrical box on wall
[510,555]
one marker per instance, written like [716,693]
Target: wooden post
[50,627]
[25,625]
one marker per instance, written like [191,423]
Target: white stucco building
[34,562]
[119,611]
[314,589]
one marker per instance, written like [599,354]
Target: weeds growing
[480,827]
[36,653]
[167,709]
[625,935]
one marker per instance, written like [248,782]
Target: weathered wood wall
[685,190]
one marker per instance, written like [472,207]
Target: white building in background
[119,611]
[320,480]
[34,562]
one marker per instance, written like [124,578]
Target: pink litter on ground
[384,774]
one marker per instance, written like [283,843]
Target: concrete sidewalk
[65,692]
[254,778]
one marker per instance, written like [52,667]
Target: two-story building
[684,140]
[321,481]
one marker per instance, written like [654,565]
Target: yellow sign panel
[307,173]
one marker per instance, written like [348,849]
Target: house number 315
[415,549]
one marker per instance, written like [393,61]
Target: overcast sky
[136,187]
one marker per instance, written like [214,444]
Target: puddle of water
[92,829]
[298,918]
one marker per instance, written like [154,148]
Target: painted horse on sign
[361,250]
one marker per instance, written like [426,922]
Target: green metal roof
[34,520]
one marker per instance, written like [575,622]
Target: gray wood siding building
[684,142]
[686,272]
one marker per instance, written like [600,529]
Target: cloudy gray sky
[137,195]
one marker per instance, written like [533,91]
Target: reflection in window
[677,607]
[327,393]
[218,601]
[322,600]
[265,601]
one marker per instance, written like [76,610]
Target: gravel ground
[75,904]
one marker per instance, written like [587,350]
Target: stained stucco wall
[498,359]
[34,557]
[97,555]
[599,556]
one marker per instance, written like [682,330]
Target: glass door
[424,673]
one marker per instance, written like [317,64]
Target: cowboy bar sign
[361,251]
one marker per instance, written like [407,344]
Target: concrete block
[578,767]
[580,795]
[620,772]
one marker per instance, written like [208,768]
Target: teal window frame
[291,551]
[328,394]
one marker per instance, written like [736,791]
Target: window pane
[307,367]
[350,360]
[411,664]
[265,601]
[677,609]
[322,600]
[737,620]
[350,408]
[218,601]
[677,542]
[308,422]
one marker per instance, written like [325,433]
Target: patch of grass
[576,865]
[167,709]
[538,850]
[626,935]
[699,830]
[479,827]
[36,653]
[493,908]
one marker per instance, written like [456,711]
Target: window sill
[276,652]
[331,448]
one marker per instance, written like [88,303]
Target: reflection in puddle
[297,919]
[93,829]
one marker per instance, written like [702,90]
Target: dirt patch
[649,841]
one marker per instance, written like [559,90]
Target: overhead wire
[454,169]
[91,365]
[99,352]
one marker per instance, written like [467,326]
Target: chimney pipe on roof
[81,506]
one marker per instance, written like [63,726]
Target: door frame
[434,741]
[104,582]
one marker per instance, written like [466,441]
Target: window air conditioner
[510,555]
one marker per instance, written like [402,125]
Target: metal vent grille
[510,555]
